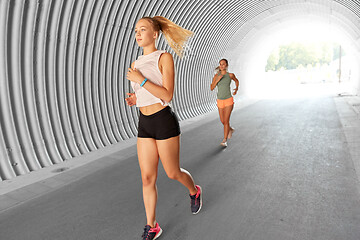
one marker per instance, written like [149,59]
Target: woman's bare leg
[148,161]
[222,116]
[225,114]
[169,151]
[226,118]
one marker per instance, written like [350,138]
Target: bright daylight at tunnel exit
[306,59]
[191,120]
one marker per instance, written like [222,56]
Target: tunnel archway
[63,63]
[257,37]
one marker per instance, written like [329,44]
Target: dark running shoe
[196,201]
[151,233]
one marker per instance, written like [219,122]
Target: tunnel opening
[252,43]
[302,61]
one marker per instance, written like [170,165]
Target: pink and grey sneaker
[196,201]
[151,233]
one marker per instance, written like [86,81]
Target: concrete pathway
[290,172]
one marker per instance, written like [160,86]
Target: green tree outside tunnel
[296,54]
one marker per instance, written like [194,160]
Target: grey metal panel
[108,77]
[80,76]
[86,70]
[63,67]
[53,83]
[123,115]
[103,80]
[6,168]
[70,61]
[62,81]
[48,144]
[17,88]
[35,145]
[127,54]
[9,108]
[98,108]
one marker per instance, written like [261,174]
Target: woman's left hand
[235,91]
[135,76]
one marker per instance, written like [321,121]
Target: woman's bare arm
[164,92]
[232,76]
[215,81]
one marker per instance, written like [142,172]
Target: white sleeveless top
[148,65]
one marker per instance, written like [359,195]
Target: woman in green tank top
[225,101]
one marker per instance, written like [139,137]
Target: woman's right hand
[215,81]
[131,100]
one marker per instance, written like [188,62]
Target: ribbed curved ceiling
[63,65]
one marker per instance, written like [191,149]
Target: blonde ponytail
[217,70]
[175,35]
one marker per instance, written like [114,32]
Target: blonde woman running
[225,101]
[152,79]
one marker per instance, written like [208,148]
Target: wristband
[143,82]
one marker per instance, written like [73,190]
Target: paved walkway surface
[291,171]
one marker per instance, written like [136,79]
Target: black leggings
[161,125]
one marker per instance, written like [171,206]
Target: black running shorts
[161,125]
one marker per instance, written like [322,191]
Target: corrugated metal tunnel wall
[63,65]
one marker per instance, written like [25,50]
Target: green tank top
[224,87]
